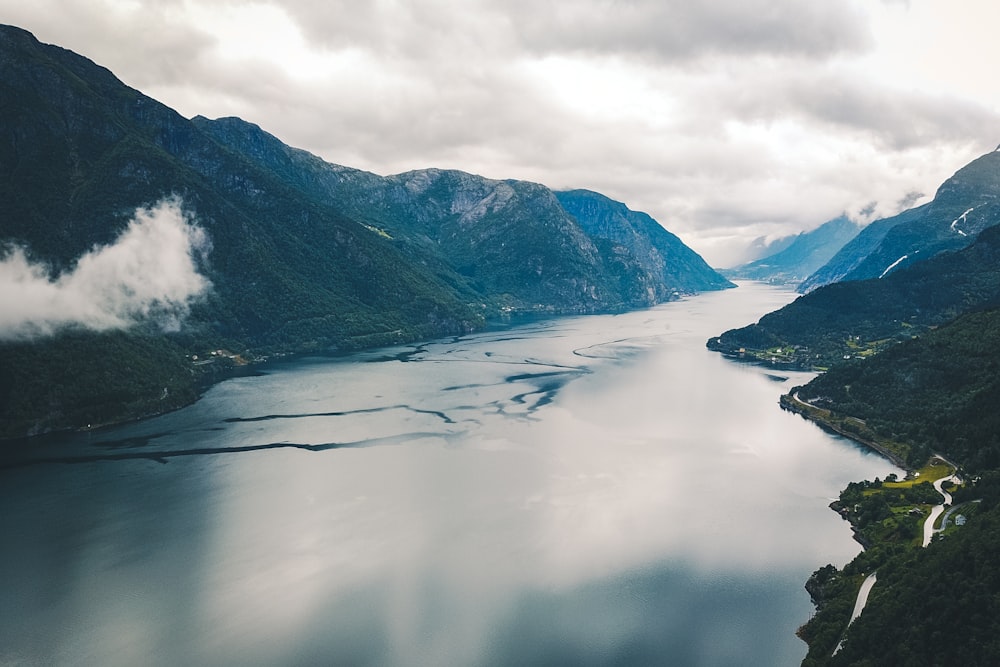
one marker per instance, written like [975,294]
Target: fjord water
[593,490]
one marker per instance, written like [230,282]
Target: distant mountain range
[495,232]
[298,254]
[806,253]
[862,301]
[838,250]
[857,250]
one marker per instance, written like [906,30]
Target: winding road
[936,511]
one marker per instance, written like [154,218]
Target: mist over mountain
[855,251]
[963,206]
[194,235]
[148,274]
[762,247]
[806,253]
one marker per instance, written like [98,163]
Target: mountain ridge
[854,252]
[305,256]
[965,204]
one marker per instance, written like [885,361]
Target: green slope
[938,392]
[935,606]
[857,318]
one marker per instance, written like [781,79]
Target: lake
[597,490]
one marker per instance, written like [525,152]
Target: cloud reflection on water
[646,502]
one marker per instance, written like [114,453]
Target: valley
[257,407]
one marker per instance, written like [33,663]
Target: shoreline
[792,403]
[824,418]
[206,376]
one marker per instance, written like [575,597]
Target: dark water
[585,491]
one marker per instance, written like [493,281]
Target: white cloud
[148,275]
[724,119]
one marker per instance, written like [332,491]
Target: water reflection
[597,490]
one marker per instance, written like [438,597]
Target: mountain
[471,223]
[84,152]
[761,247]
[855,251]
[293,254]
[963,206]
[858,318]
[677,268]
[806,253]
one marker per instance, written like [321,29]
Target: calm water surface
[584,491]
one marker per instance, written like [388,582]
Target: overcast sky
[726,120]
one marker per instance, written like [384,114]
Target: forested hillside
[858,318]
[937,394]
[272,251]
[934,606]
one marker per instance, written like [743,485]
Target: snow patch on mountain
[892,266]
[962,218]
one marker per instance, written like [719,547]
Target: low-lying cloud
[148,275]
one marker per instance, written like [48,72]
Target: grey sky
[724,119]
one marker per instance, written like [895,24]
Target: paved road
[869,583]
[859,604]
[938,509]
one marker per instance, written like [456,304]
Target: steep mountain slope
[300,255]
[677,268]
[857,318]
[854,252]
[509,238]
[964,205]
[808,252]
[83,151]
